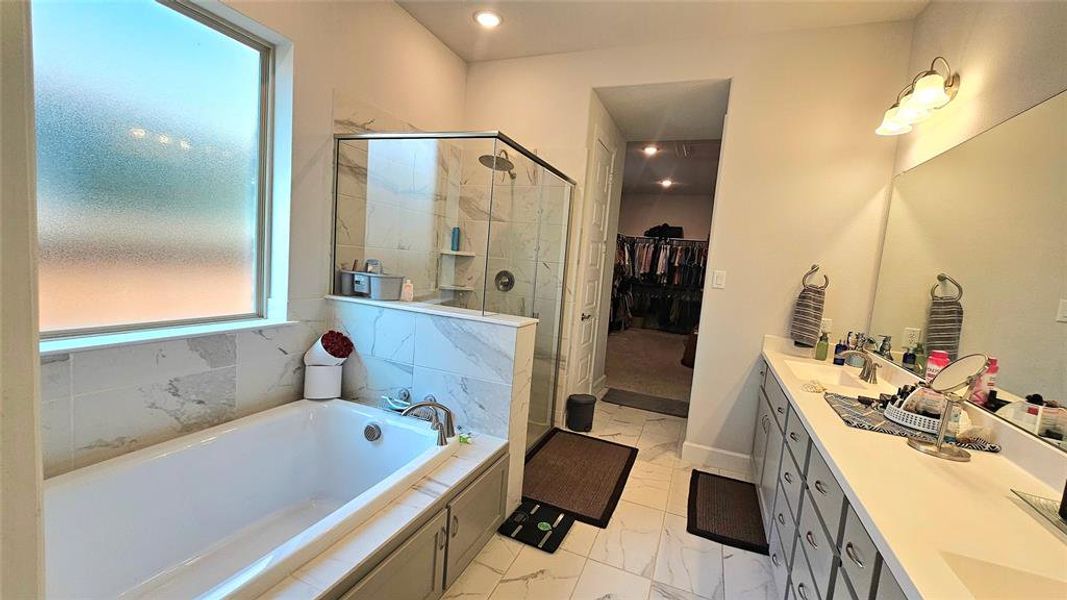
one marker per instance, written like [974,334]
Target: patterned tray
[859,416]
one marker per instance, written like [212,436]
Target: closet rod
[673,239]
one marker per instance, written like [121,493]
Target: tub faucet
[444,430]
[869,371]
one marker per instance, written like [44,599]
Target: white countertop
[316,577]
[431,308]
[945,529]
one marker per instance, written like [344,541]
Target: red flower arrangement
[337,344]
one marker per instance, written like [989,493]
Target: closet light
[666,183]
[927,92]
[487,19]
[650,150]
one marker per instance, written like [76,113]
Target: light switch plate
[718,279]
[1061,314]
[912,336]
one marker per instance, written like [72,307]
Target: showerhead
[498,163]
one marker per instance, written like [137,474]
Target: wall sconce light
[927,92]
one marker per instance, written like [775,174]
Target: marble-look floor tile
[688,562]
[748,575]
[580,538]
[484,573]
[678,493]
[664,427]
[648,485]
[662,591]
[631,415]
[603,582]
[630,540]
[660,451]
[536,575]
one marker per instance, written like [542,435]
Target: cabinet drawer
[797,439]
[779,561]
[858,555]
[843,590]
[785,524]
[800,574]
[779,401]
[791,483]
[888,588]
[827,494]
[816,547]
[474,515]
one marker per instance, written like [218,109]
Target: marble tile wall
[98,404]
[480,370]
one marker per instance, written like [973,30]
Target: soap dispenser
[823,347]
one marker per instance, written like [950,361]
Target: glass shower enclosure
[473,219]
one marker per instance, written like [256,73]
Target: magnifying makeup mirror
[961,374]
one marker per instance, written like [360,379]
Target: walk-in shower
[476,222]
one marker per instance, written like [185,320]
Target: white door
[593,260]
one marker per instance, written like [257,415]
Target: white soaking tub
[231,510]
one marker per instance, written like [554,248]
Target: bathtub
[231,510]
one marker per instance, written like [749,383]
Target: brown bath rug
[656,404]
[579,474]
[725,510]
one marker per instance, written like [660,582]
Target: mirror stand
[939,448]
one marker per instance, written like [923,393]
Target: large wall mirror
[990,217]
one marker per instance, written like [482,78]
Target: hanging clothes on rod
[660,279]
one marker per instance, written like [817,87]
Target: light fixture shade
[930,92]
[891,124]
[911,111]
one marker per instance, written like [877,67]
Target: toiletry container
[986,383]
[322,383]
[455,239]
[920,359]
[407,292]
[938,360]
[823,347]
[838,349]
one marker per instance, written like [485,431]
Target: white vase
[319,357]
[322,382]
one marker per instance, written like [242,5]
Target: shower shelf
[456,288]
[456,253]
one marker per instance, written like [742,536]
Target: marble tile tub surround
[480,367]
[98,404]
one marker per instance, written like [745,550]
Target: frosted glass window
[150,184]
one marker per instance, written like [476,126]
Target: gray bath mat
[656,404]
[726,511]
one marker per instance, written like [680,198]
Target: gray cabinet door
[769,481]
[474,516]
[415,571]
[759,439]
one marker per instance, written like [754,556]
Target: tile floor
[644,554]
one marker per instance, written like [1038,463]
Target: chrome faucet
[444,430]
[869,370]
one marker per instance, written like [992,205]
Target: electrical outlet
[827,325]
[912,336]
[1061,314]
[718,279]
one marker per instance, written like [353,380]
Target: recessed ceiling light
[666,183]
[650,150]
[487,18]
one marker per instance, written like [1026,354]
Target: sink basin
[985,579]
[828,375]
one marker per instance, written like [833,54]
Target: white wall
[1010,56]
[639,212]
[802,177]
[20,457]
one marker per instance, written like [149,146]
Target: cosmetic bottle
[838,349]
[822,347]
[920,359]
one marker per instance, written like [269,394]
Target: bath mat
[726,511]
[537,525]
[581,475]
[656,404]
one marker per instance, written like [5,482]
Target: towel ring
[941,278]
[814,269]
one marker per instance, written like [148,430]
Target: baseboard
[600,386]
[718,458]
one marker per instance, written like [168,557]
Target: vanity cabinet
[819,548]
[425,564]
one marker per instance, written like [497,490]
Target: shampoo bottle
[407,291]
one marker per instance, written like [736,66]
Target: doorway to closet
[659,255]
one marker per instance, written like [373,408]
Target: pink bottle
[987,383]
[937,360]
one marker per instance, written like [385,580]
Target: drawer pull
[781,519]
[455,525]
[853,555]
[793,436]
[774,559]
[780,410]
[821,488]
[802,592]
[787,477]
[811,540]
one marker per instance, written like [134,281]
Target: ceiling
[532,28]
[688,110]
[691,164]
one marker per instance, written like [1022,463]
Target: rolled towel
[807,316]
[943,326]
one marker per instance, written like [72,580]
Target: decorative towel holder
[815,269]
[942,278]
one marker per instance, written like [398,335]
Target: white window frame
[275,180]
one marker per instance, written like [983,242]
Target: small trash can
[580,412]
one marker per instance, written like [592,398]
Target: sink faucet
[444,430]
[869,371]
